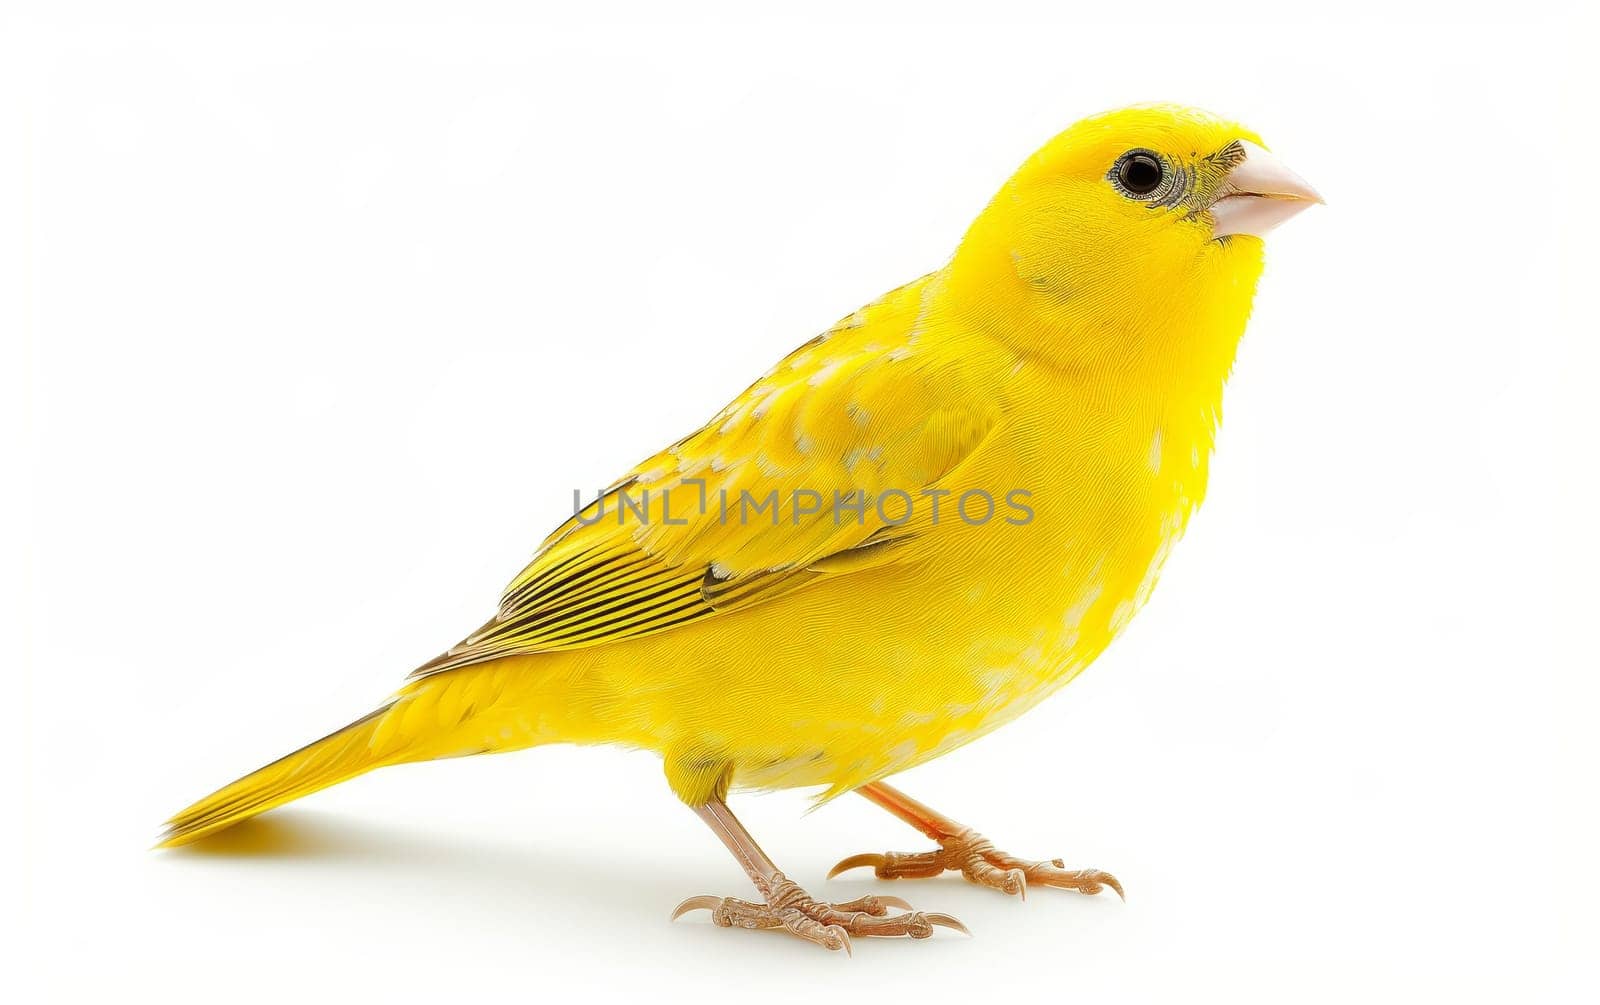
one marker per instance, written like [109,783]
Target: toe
[1085,881]
[915,924]
[1010,881]
[876,905]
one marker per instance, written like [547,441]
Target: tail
[349,752]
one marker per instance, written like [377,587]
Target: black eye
[1140,173]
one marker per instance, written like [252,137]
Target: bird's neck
[1163,352]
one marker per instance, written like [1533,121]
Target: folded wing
[818,469]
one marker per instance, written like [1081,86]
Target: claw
[695,904]
[889,901]
[841,939]
[856,861]
[948,922]
[1111,881]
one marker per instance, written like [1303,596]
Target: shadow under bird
[907,533]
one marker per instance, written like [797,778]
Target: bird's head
[1130,232]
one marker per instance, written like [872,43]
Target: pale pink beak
[1260,193]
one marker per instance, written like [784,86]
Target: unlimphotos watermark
[893,507]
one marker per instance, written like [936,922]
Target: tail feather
[338,756]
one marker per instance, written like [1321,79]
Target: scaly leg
[791,908]
[965,849]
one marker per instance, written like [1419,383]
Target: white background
[314,318]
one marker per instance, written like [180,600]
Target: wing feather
[744,510]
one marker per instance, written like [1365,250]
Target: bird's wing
[748,508]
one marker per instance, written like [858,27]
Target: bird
[908,532]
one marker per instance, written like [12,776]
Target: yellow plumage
[1068,362]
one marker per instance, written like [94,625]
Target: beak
[1259,193]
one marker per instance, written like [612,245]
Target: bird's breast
[1044,598]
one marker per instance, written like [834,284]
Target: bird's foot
[976,858]
[828,925]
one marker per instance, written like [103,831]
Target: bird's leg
[964,849]
[788,907]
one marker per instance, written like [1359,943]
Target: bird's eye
[1140,172]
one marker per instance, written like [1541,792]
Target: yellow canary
[908,532]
